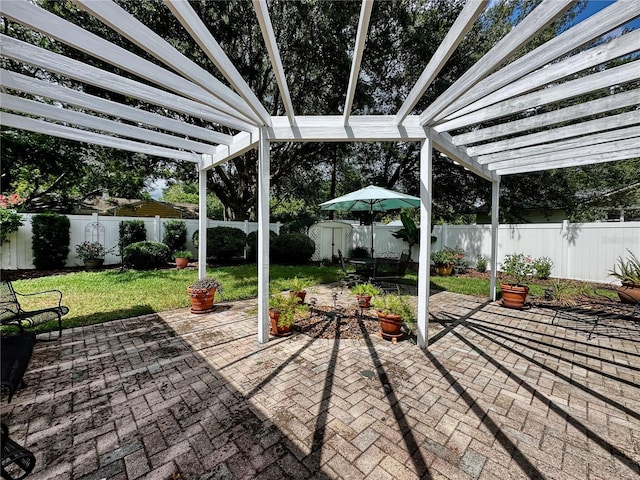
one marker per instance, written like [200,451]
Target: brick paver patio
[499,394]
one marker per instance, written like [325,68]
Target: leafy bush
[223,243]
[543,266]
[252,243]
[175,235]
[519,267]
[146,255]
[10,220]
[292,248]
[131,231]
[50,242]
[460,261]
[481,263]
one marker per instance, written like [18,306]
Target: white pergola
[491,91]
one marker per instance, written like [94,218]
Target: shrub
[10,220]
[519,267]
[481,263]
[146,255]
[175,235]
[252,243]
[543,266]
[359,252]
[460,262]
[223,243]
[131,231]
[292,248]
[51,240]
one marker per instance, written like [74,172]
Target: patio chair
[17,461]
[11,313]
[14,360]
[348,279]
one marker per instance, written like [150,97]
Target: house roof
[126,206]
[505,115]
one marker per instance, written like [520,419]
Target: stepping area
[498,394]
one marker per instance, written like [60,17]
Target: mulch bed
[337,322]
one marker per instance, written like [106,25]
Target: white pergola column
[263,236]
[202,217]
[495,222]
[424,262]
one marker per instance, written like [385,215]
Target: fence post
[564,232]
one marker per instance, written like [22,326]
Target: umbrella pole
[371,220]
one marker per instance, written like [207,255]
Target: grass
[96,297]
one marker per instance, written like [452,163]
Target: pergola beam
[462,25]
[260,7]
[242,143]
[585,128]
[53,62]
[31,107]
[498,160]
[361,40]
[593,27]
[579,161]
[616,48]
[442,142]
[567,114]
[528,28]
[573,88]
[16,81]
[47,128]
[39,19]
[201,34]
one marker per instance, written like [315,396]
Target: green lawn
[96,297]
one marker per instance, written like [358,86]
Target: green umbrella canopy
[371,199]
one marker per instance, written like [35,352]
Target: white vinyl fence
[17,253]
[580,251]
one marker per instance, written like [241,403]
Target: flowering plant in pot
[91,253]
[519,268]
[283,311]
[393,311]
[364,292]
[202,293]
[443,261]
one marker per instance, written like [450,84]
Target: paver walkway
[499,394]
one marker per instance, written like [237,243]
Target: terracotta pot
[629,293]
[301,295]
[275,329]
[390,324]
[181,262]
[444,269]
[201,299]
[364,301]
[514,296]
[93,263]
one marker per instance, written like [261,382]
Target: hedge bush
[50,241]
[131,231]
[252,243]
[146,255]
[292,248]
[175,235]
[223,243]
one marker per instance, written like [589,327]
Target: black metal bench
[11,313]
[15,355]
[17,461]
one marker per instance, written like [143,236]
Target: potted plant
[393,311]
[91,253]
[297,287]
[443,261]
[628,272]
[364,292]
[283,310]
[519,268]
[182,258]
[202,293]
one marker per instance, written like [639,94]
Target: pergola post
[202,217]
[495,222]
[263,237]
[426,153]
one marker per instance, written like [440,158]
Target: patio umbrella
[371,199]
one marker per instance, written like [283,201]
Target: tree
[184,192]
